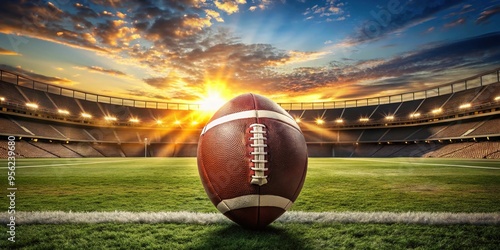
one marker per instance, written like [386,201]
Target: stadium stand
[56,149]
[84,149]
[28,150]
[399,125]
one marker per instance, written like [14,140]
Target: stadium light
[85,115]
[497,98]
[298,120]
[415,115]
[63,111]
[177,122]
[464,106]
[159,122]
[437,111]
[134,120]
[32,105]
[340,120]
[389,117]
[320,121]
[194,123]
[363,119]
[110,118]
[2,99]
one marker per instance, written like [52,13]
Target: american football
[252,160]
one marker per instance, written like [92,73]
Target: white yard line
[68,164]
[423,163]
[428,218]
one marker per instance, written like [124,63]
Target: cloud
[414,70]
[430,29]
[106,71]
[37,77]
[215,15]
[159,82]
[301,56]
[85,11]
[396,18]
[457,22]
[180,45]
[44,21]
[229,6]
[262,5]
[7,52]
[487,14]
[171,87]
[102,70]
[113,33]
[330,11]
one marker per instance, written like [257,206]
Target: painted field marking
[426,218]
[69,164]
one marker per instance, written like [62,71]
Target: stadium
[371,124]
[54,127]
[455,120]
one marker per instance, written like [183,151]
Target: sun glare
[214,98]
[212,102]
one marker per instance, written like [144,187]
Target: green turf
[172,184]
[333,184]
[276,236]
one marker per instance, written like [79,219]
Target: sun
[216,93]
[212,101]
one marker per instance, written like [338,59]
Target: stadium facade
[460,119]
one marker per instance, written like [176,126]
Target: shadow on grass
[236,237]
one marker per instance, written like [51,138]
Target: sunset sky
[288,50]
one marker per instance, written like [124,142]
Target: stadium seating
[464,132]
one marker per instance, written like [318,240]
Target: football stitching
[258,144]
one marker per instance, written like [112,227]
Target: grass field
[332,185]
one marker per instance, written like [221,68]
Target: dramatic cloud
[409,70]
[177,48]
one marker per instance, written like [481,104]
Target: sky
[191,51]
